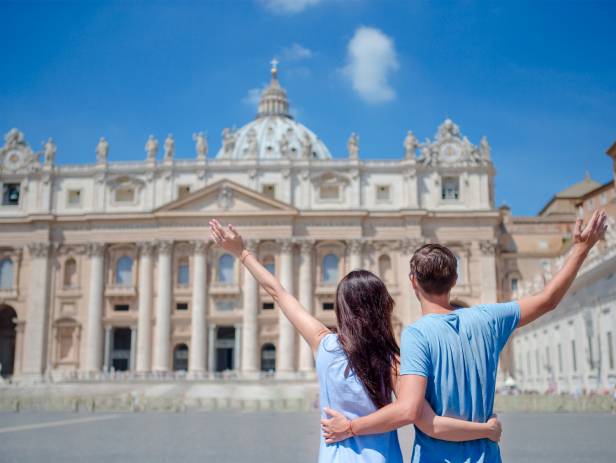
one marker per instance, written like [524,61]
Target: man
[450,355]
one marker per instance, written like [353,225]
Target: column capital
[285,244]
[200,246]
[251,245]
[146,247]
[164,246]
[95,249]
[39,248]
[306,246]
[487,247]
[410,245]
[355,246]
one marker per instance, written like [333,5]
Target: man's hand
[587,237]
[229,239]
[337,428]
[496,429]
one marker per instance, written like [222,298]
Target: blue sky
[539,79]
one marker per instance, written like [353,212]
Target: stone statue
[169,147]
[484,148]
[448,129]
[13,138]
[200,145]
[353,146]
[228,141]
[306,146]
[151,148]
[49,152]
[251,149]
[102,150]
[283,146]
[410,145]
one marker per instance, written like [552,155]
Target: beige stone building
[108,266]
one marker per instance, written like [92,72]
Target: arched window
[385,270]
[6,273]
[180,357]
[225,269]
[270,264]
[124,271]
[183,272]
[70,273]
[330,269]
[268,357]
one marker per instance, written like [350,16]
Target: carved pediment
[225,196]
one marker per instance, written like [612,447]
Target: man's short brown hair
[435,268]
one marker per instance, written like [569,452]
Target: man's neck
[438,304]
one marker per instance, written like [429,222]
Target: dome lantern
[274,101]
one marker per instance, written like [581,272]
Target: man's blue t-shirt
[458,354]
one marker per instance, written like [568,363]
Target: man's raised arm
[533,307]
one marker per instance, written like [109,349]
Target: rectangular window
[121,307]
[268,306]
[383,193]
[328,306]
[125,195]
[329,192]
[560,358]
[610,350]
[573,356]
[73,197]
[10,194]
[269,191]
[514,284]
[183,190]
[183,273]
[450,189]
[537,363]
[181,306]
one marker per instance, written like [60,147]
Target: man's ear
[413,282]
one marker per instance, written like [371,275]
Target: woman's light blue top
[346,394]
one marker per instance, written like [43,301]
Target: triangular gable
[225,196]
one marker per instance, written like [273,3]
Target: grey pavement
[233,436]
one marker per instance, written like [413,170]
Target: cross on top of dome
[274,101]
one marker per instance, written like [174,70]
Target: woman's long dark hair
[363,311]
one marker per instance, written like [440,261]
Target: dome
[274,134]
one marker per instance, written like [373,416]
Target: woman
[358,367]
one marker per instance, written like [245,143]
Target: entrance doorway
[225,348]
[120,349]
[7,340]
[268,358]
[180,357]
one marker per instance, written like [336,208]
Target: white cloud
[252,97]
[371,58]
[288,6]
[295,52]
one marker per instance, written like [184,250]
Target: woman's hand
[229,239]
[495,429]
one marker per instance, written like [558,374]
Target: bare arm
[533,307]
[311,329]
[410,408]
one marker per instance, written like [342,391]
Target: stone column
[488,271]
[249,320]
[108,347]
[197,361]
[94,326]
[306,298]
[133,347]
[144,340]
[286,332]
[355,254]
[211,351]
[237,348]
[163,308]
[35,335]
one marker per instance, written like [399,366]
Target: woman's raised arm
[311,329]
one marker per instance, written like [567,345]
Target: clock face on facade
[450,152]
[13,159]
